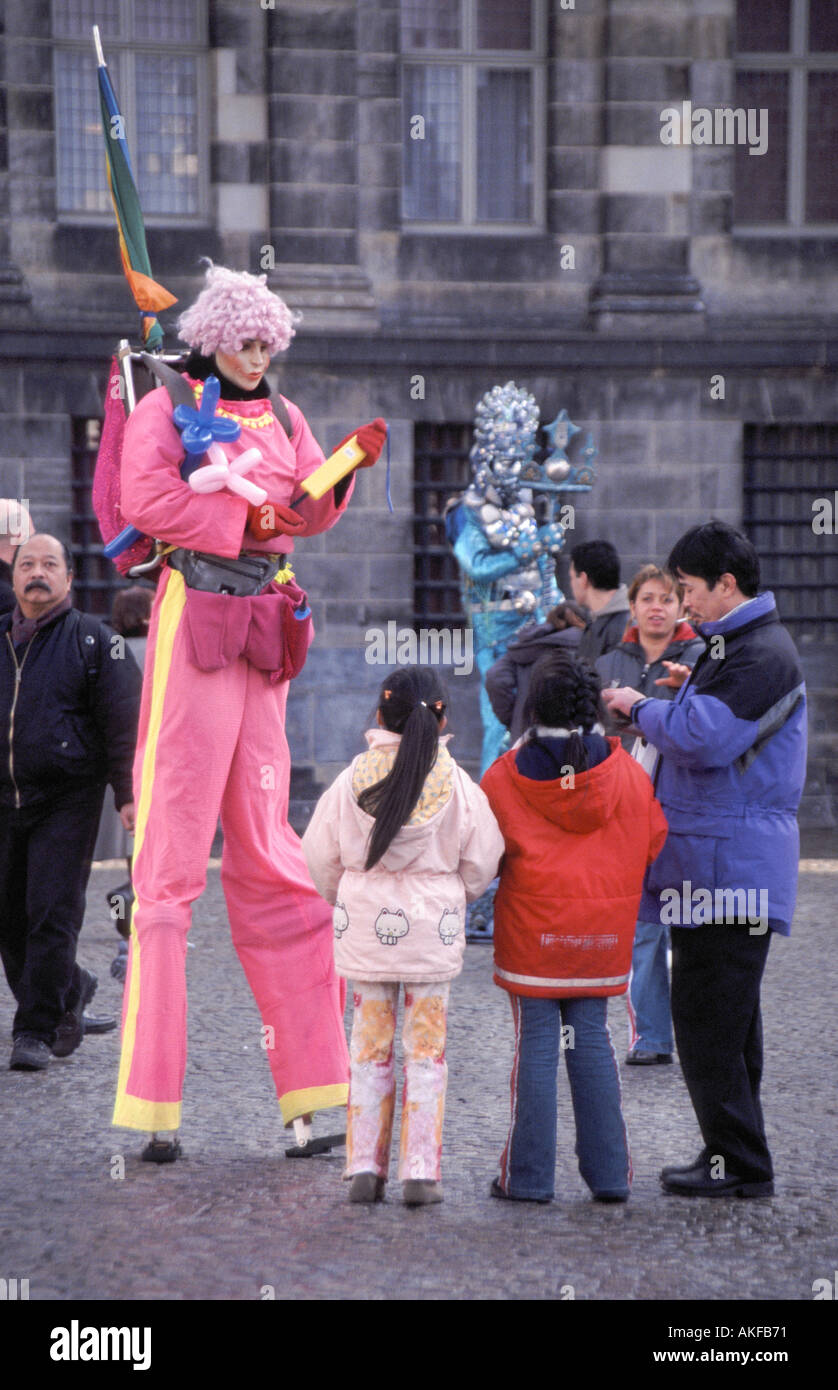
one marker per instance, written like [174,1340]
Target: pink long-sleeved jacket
[159,503]
[404,919]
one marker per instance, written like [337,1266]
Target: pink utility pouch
[272,630]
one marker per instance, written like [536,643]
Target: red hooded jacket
[571,877]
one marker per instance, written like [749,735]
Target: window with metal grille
[157,59]
[441,472]
[95,579]
[787,468]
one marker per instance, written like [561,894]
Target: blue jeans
[649,988]
[528,1163]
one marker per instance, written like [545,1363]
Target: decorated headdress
[233,307]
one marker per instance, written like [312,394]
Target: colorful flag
[150,297]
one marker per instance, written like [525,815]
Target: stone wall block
[648,79]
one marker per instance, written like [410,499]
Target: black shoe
[610,1196]
[70,1030]
[698,1182]
[648,1059]
[497,1191]
[161,1150]
[28,1053]
[98,1023]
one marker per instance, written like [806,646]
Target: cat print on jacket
[449,926]
[390,927]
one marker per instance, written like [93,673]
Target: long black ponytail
[412,703]
[564,693]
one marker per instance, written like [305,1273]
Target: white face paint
[246,367]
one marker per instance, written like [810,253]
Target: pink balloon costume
[212,739]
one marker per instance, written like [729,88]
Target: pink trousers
[208,743]
[372,1087]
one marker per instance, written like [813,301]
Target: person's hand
[371,438]
[126,815]
[621,699]
[272,519]
[677,675]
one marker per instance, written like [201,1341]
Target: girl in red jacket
[581,824]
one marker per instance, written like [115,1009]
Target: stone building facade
[456,195]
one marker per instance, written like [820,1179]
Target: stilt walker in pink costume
[224,642]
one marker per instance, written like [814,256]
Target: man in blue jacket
[730,777]
[69,704]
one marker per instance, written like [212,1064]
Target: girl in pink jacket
[400,842]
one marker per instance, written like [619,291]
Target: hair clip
[387,694]
[422,702]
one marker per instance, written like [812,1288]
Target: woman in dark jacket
[508,680]
[657,639]
[659,646]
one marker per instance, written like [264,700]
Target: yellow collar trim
[250,422]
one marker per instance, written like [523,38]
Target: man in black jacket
[595,583]
[69,705]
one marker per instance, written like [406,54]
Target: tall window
[787,65]
[473,109]
[156,55]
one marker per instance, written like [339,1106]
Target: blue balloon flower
[200,428]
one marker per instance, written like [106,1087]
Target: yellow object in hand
[341,462]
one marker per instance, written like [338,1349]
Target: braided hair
[411,703]
[564,694]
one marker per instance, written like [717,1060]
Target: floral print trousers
[372,1079]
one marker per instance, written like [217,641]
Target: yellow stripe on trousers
[130,1112]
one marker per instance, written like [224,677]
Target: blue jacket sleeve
[697,730]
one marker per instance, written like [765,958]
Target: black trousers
[45,854]
[716,976]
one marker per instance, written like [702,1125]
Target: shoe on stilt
[162,1150]
[420,1192]
[307,1146]
[366,1187]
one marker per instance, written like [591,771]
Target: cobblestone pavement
[237,1220]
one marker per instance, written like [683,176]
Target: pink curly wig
[234,307]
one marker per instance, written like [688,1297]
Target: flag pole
[100,57]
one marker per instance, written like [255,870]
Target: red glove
[371,438]
[271,519]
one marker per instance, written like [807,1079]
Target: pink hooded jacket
[404,919]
